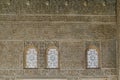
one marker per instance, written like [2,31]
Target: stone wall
[72,31]
[95,7]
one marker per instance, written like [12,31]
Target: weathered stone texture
[56,18]
[70,25]
[72,52]
[58,7]
[72,59]
[108,53]
[10,54]
[38,31]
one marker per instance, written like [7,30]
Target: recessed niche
[52,57]
[92,57]
[30,57]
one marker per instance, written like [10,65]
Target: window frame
[98,51]
[25,54]
[46,59]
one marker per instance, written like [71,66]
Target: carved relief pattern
[58,6]
[92,58]
[52,58]
[31,58]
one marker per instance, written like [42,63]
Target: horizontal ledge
[52,15]
[65,18]
[60,40]
[54,22]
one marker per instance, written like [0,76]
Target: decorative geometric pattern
[92,58]
[52,58]
[31,58]
[58,6]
